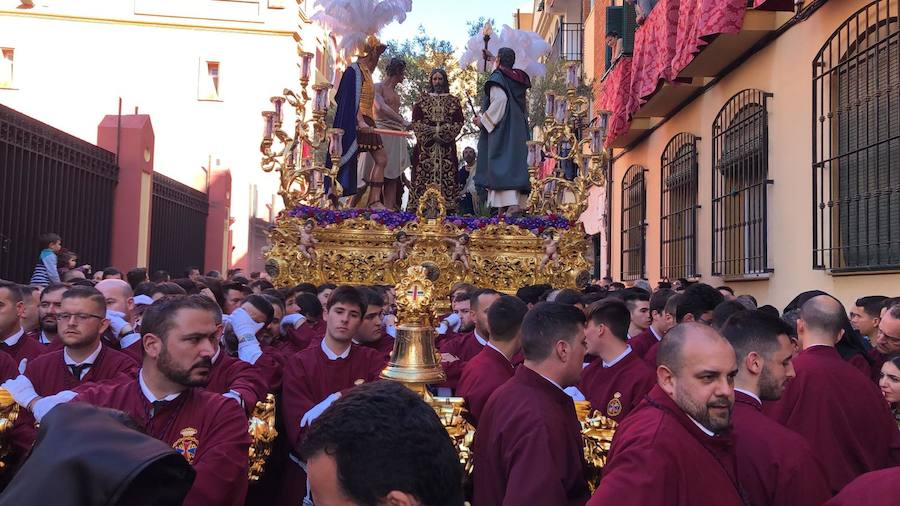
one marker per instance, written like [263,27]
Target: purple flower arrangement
[397,219]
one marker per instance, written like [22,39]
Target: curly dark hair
[383,437]
[395,67]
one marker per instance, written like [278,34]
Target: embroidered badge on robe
[614,407]
[186,445]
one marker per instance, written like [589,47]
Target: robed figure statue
[437,121]
[502,153]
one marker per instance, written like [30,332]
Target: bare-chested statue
[387,116]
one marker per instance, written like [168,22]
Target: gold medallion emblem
[187,444]
[614,407]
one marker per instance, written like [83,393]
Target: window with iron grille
[634,223]
[740,183]
[856,143]
[678,207]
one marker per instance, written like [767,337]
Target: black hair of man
[274,299]
[262,305]
[871,304]
[770,309]
[214,274]
[614,314]
[110,272]
[53,287]
[726,288]
[144,288]
[672,304]
[659,299]
[370,296]
[305,287]
[14,293]
[262,284]
[754,331]
[631,296]
[190,269]
[663,285]
[724,311]
[136,277]
[27,291]
[254,275]
[893,306]
[240,287]
[824,313]
[89,293]
[187,284]
[168,288]
[697,299]
[507,57]
[346,294]
[159,276]
[309,305]
[568,296]
[592,297]
[46,239]
[161,315]
[531,294]
[505,318]
[359,426]
[616,286]
[395,67]
[476,295]
[545,325]
[325,286]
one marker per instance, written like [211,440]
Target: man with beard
[465,178]
[776,466]
[839,412]
[180,336]
[887,340]
[503,123]
[317,376]
[437,119]
[12,335]
[49,304]
[675,447]
[371,333]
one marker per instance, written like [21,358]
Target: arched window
[678,207]
[740,182]
[856,143]
[634,222]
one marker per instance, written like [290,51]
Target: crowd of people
[718,401]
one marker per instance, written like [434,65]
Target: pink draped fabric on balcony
[667,41]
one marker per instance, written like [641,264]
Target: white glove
[318,409]
[142,300]
[22,365]
[116,321]
[21,390]
[44,405]
[248,349]
[575,394]
[391,330]
[448,323]
[291,320]
[242,324]
[231,394]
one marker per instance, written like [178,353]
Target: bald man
[675,448]
[839,412]
[120,312]
[776,466]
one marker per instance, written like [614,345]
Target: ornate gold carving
[262,434]
[597,431]
[9,413]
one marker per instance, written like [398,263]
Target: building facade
[759,147]
[202,70]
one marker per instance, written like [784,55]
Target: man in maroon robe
[493,366]
[307,326]
[675,448]
[776,466]
[456,352]
[888,341]
[660,323]
[876,488]
[840,413]
[12,335]
[638,302]
[371,334]
[617,380]
[48,306]
[208,430]
[316,377]
[528,446]
[120,312]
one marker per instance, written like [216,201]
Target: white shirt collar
[14,339]
[216,356]
[479,338]
[747,392]
[704,429]
[130,339]
[557,385]
[149,395]
[655,334]
[44,339]
[89,360]
[332,355]
[619,358]
[498,351]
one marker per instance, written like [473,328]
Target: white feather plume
[529,48]
[351,21]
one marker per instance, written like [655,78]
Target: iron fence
[678,208]
[568,45]
[177,226]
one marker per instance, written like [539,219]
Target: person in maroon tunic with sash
[617,380]
[12,335]
[317,376]
[659,324]
[776,466]
[528,445]
[456,352]
[493,366]
[840,413]
[676,448]
[207,429]
[371,334]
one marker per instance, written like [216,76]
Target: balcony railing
[569,42]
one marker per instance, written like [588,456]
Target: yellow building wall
[783,68]
[73,60]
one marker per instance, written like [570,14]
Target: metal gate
[177,226]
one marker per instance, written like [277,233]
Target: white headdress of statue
[529,48]
[356,23]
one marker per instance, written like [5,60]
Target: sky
[447,20]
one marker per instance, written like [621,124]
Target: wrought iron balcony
[568,44]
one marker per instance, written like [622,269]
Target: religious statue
[503,123]
[387,117]
[460,249]
[354,115]
[468,195]
[307,241]
[437,120]
[402,244]
[551,250]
